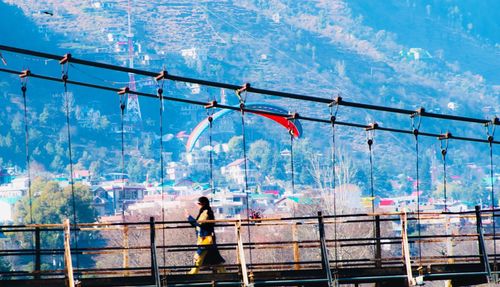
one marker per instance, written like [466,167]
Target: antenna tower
[133,113]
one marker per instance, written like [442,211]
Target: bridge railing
[293,243]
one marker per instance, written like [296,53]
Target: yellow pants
[201,253]
[198,260]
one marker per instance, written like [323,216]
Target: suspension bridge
[322,251]
[394,249]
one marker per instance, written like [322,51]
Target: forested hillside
[441,55]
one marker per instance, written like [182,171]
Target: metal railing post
[482,248]
[38,255]
[154,264]
[378,244]
[325,262]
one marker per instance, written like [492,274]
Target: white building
[198,159]
[18,187]
[10,194]
[228,204]
[235,172]
[177,171]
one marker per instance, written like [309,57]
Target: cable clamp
[445,136]
[419,112]
[337,101]
[371,127]
[444,151]
[123,91]
[333,119]
[162,75]
[293,116]
[65,59]
[496,121]
[245,87]
[24,74]
[211,104]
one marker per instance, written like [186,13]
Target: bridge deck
[460,252]
[460,274]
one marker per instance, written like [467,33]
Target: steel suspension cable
[490,134]
[415,129]
[292,165]
[444,151]
[209,107]
[242,100]
[496,121]
[24,81]
[159,91]
[171,77]
[210,135]
[333,118]
[122,133]
[370,133]
[64,69]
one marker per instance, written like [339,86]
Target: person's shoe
[194,270]
[219,269]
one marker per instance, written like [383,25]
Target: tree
[52,205]
[235,147]
[4,265]
[135,169]
[260,152]
[302,150]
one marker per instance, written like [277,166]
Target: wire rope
[415,128]
[24,83]
[122,152]
[444,151]
[333,118]
[490,132]
[159,91]
[242,100]
[64,71]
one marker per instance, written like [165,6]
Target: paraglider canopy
[294,126]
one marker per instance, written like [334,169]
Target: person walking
[207,253]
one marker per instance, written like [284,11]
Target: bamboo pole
[296,249]
[126,261]
[406,250]
[67,254]
[241,255]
